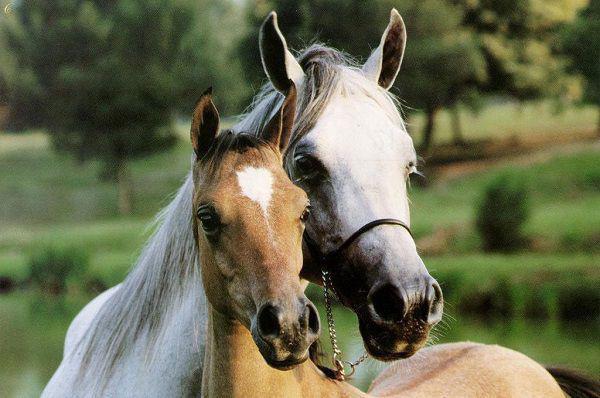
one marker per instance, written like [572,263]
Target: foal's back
[466,370]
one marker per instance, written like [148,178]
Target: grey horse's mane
[167,271]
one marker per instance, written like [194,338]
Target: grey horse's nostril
[435,303]
[269,322]
[388,303]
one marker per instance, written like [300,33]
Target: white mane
[167,269]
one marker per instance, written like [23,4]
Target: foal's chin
[277,358]
[286,364]
[390,342]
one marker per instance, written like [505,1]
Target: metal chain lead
[338,362]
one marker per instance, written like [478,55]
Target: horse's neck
[233,367]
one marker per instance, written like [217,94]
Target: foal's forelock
[166,273]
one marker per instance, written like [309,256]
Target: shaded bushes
[501,215]
[52,267]
[565,296]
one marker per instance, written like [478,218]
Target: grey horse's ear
[205,124]
[278,62]
[384,63]
[279,129]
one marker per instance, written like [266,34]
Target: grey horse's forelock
[168,265]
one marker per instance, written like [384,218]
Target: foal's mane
[167,271]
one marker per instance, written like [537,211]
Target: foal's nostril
[388,303]
[433,304]
[269,322]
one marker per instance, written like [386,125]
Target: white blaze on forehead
[257,185]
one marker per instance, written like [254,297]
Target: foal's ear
[384,63]
[278,62]
[205,124]
[279,129]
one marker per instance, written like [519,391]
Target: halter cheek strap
[324,259]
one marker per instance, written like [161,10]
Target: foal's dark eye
[305,214]
[209,219]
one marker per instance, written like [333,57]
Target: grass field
[506,119]
[564,194]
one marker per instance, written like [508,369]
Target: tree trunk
[457,132]
[598,126]
[124,188]
[428,130]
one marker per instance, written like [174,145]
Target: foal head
[249,219]
[352,154]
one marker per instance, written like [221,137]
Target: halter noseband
[324,259]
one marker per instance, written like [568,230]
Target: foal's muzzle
[284,333]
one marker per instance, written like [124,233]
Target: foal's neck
[233,367]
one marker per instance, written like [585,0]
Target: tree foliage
[581,43]
[518,39]
[443,62]
[105,77]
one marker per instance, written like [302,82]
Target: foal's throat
[233,367]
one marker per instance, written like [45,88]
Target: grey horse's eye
[305,164]
[308,167]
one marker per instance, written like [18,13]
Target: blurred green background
[502,99]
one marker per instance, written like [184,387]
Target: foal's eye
[209,219]
[305,214]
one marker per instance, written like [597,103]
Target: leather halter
[324,259]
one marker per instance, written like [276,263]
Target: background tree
[518,39]
[442,65]
[105,77]
[581,42]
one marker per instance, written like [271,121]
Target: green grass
[112,245]
[43,187]
[530,284]
[564,194]
[508,119]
